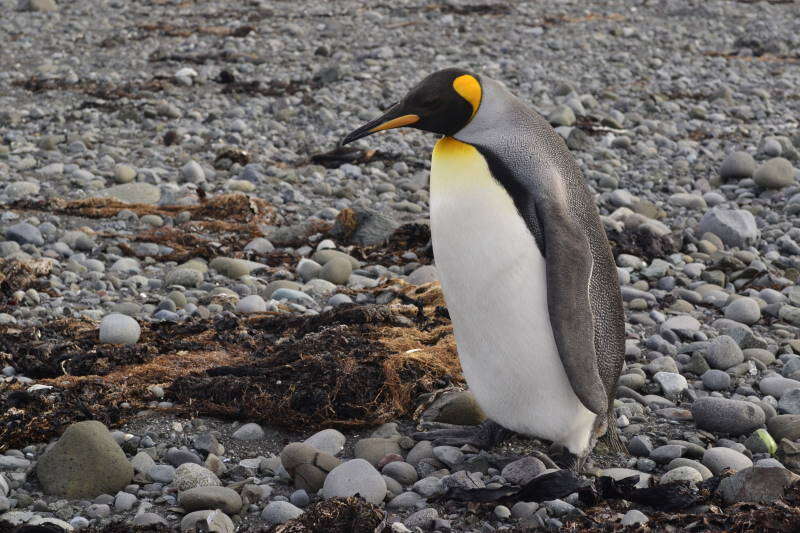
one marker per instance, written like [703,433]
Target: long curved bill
[393,118]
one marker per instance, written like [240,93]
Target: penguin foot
[484,436]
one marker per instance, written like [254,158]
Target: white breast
[493,278]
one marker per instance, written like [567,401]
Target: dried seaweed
[412,237]
[223,56]
[348,367]
[171,30]
[229,221]
[642,243]
[103,91]
[21,275]
[337,515]
[270,88]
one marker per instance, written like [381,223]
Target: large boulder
[756,484]
[735,227]
[84,463]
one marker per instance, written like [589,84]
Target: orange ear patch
[470,89]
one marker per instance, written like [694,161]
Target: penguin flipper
[569,269]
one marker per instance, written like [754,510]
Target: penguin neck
[497,110]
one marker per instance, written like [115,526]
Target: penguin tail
[611,438]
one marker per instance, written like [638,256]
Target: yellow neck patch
[469,88]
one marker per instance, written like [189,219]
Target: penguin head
[443,103]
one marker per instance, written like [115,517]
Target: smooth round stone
[220,522]
[405,500]
[759,354]
[293,296]
[784,427]
[85,461]
[775,173]
[790,402]
[162,473]
[309,269]
[562,116]
[190,475]
[133,193]
[21,189]
[25,233]
[734,227]
[356,476]
[337,271]
[248,432]
[421,450]
[734,417]
[429,487]
[423,519]
[186,277]
[124,173]
[178,456]
[278,512]
[423,274]
[193,172]
[682,473]
[374,449]
[299,498]
[777,386]
[744,310]
[323,256]
[524,510]
[307,465]
[523,470]
[716,380]
[259,245]
[251,304]
[723,353]
[634,518]
[717,459]
[502,512]
[232,267]
[683,461]
[737,166]
[667,452]
[449,455]
[329,441]
[771,147]
[402,472]
[339,299]
[210,498]
[673,384]
[640,446]
[142,462]
[147,520]
[757,484]
[116,328]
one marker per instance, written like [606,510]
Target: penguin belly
[494,282]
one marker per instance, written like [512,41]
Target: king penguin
[525,266]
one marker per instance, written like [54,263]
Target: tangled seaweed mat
[351,366]
[219,225]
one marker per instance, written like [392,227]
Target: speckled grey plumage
[532,162]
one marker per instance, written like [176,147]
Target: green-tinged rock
[84,463]
[761,442]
